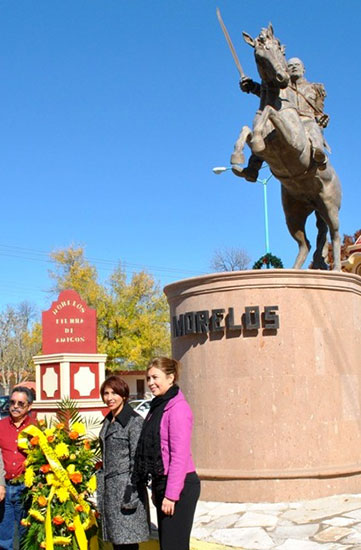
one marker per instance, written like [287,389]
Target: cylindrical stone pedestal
[272,370]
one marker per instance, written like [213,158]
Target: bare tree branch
[18,344]
[230,259]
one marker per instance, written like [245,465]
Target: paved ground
[332,523]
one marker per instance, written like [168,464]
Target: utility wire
[104,264]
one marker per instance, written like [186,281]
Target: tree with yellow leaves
[132,315]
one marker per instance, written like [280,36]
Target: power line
[105,264]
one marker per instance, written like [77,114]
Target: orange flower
[86,444]
[25,523]
[58,520]
[73,434]
[60,426]
[42,501]
[51,438]
[71,527]
[34,440]
[45,468]
[76,477]
[79,508]
[41,422]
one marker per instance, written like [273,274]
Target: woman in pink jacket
[164,455]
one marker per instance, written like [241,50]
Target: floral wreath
[267,260]
[60,477]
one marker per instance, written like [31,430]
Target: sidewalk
[331,523]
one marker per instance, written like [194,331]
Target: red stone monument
[271,368]
[70,365]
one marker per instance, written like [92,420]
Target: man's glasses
[19,404]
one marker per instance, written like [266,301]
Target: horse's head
[270,57]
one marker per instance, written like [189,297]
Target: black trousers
[175,531]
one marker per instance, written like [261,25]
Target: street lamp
[220,169]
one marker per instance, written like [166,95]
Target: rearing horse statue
[279,137]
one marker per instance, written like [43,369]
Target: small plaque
[69,326]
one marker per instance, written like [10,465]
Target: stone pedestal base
[272,371]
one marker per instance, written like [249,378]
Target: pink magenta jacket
[175,441]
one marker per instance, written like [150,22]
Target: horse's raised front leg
[257,141]
[296,213]
[237,156]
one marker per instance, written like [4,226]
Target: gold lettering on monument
[75,321]
[67,339]
[69,330]
[65,303]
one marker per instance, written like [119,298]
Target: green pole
[265,207]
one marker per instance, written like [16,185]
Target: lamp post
[220,169]
[265,207]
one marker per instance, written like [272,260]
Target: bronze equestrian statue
[287,135]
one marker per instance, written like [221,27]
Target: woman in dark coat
[121,503]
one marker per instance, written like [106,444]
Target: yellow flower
[49,431]
[36,514]
[71,468]
[92,484]
[49,479]
[62,541]
[62,494]
[62,450]
[29,476]
[78,427]
[23,442]
[29,459]
[72,456]
[89,522]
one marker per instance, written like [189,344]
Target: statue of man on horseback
[308,99]
[287,134]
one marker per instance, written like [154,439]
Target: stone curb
[202,545]
[195,545]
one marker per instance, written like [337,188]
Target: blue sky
[114,112]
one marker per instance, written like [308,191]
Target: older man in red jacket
[11,505]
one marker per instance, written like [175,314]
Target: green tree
[20,339]
[132,316]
